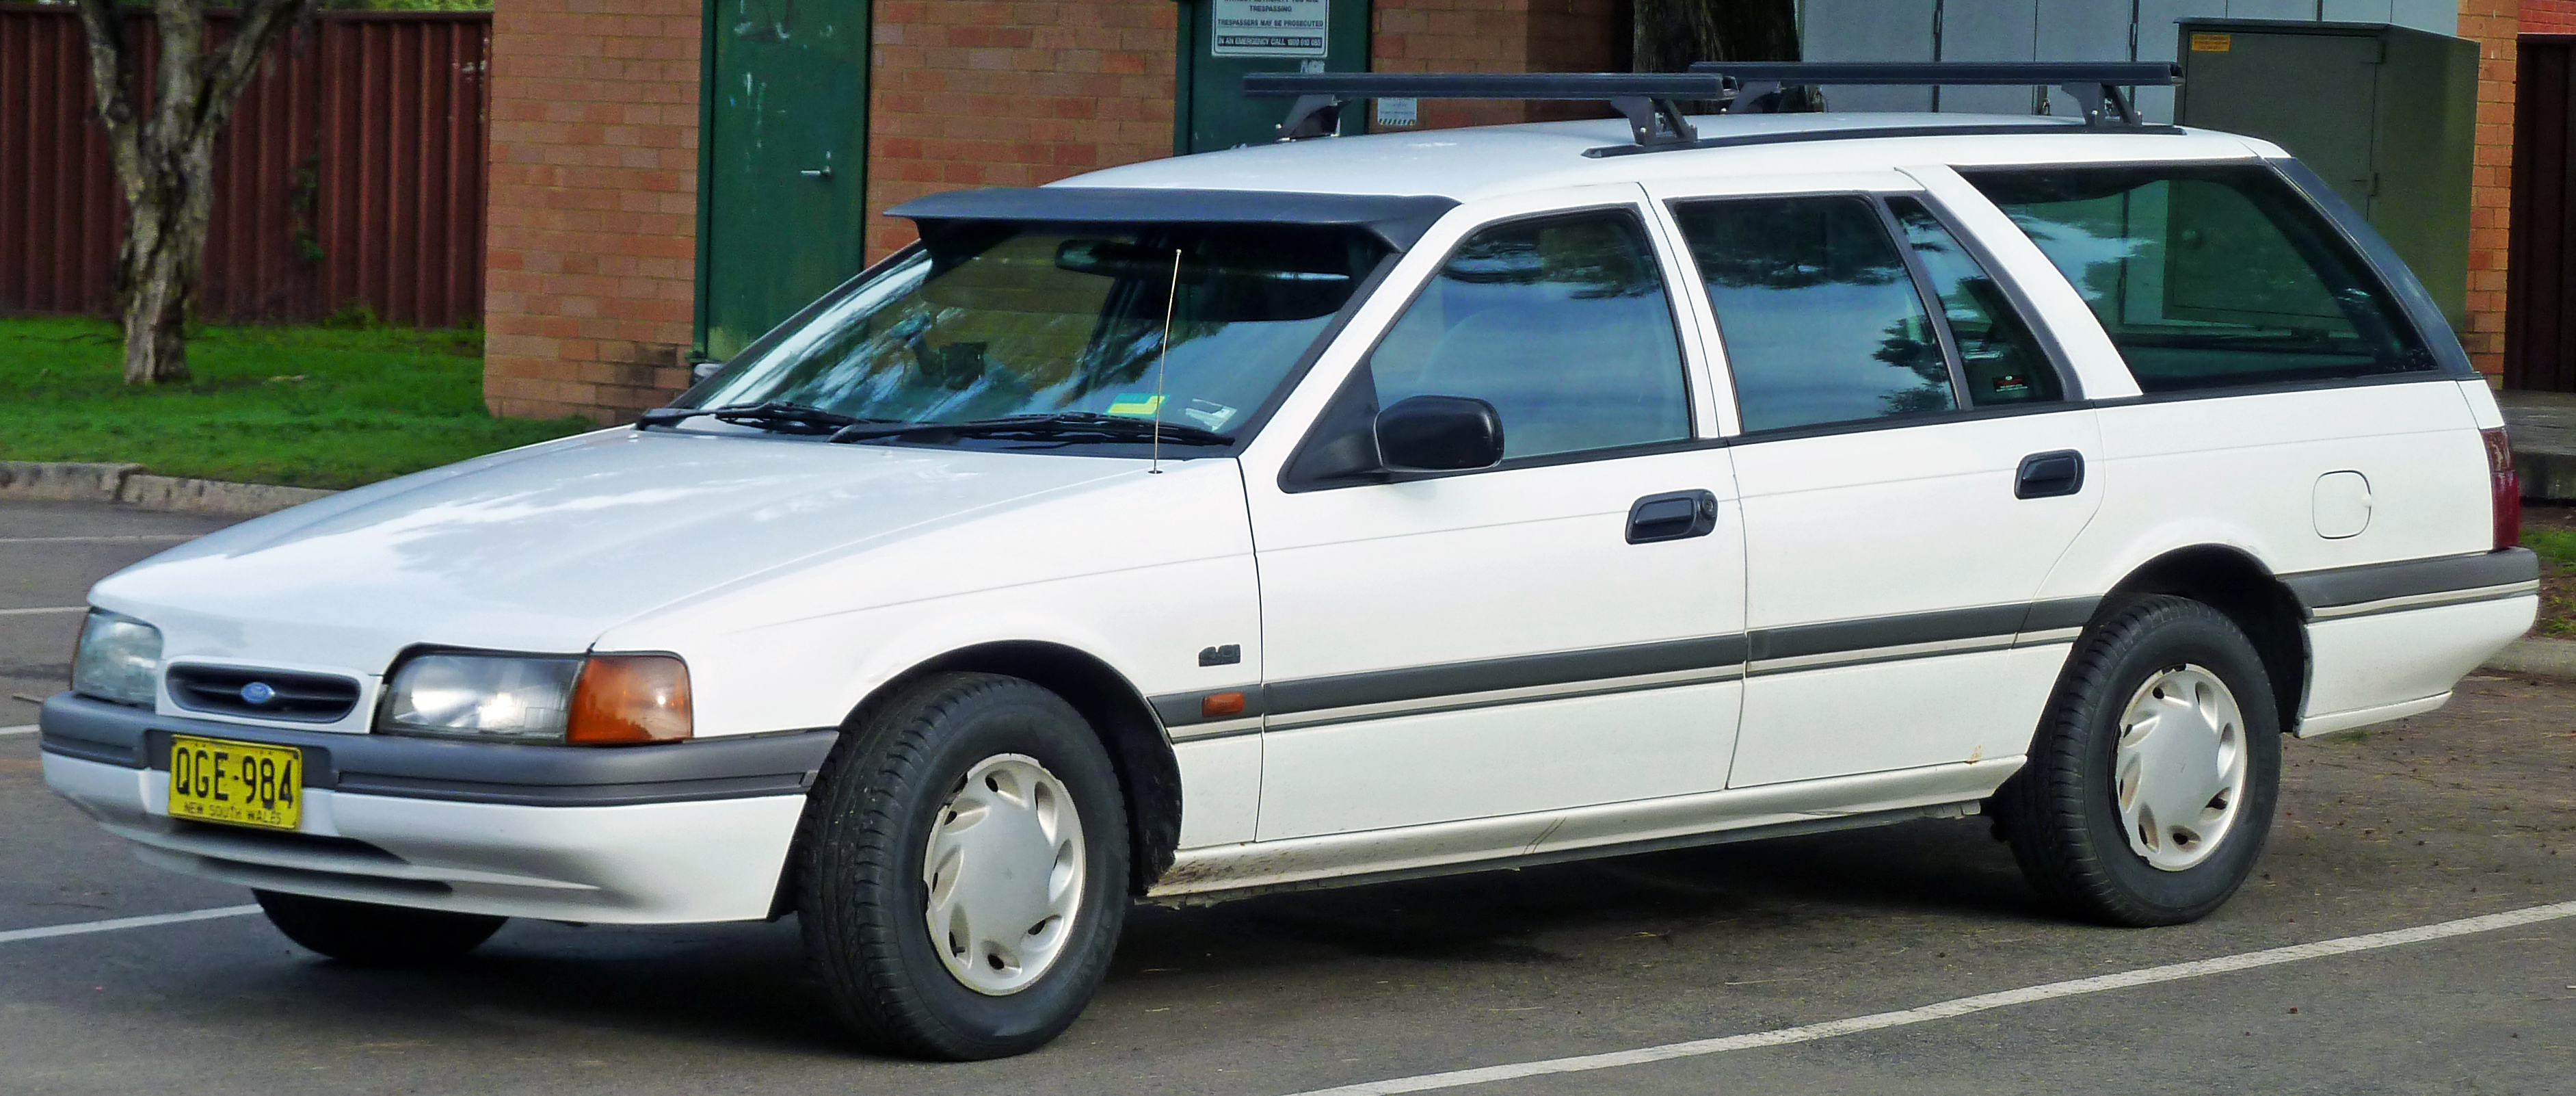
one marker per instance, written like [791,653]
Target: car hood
[544,548]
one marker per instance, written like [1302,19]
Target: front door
[782,200]
[1564,629]
[1222,40]
[1911,467]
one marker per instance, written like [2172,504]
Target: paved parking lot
[2467,812]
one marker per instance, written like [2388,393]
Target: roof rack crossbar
[2095,85]
[1651,101]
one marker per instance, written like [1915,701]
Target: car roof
[1476,162]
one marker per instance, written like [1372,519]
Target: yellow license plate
[214,780]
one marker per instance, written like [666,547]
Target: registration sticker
[236,783]
[1138,404]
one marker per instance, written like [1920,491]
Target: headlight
[602,700]
[119,659]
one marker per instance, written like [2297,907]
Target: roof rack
[2096,85]
[1651,101]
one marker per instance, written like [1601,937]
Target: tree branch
[232,65]
[111,82]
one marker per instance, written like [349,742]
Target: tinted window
[1561,323]
[1999,357]
[2210,276]
[1820,318]
[1004,319]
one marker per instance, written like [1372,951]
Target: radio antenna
[1162,354]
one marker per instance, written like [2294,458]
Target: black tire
[861,900]
[2061,811]
[371,935]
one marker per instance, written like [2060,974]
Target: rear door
[1911,462]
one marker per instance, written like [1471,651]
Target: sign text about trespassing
[1271,28]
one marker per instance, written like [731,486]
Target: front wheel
[2150,789]
[965,876]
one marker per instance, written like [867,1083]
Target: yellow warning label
[2212,43]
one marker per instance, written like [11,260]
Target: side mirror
[1439,434]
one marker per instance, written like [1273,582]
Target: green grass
[306,406]
[2555,545]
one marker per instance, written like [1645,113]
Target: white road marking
[126,538]
[1963,1006]
[14,935]
[50,609]
[7,731]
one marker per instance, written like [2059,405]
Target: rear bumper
[657,834]
[2390,640]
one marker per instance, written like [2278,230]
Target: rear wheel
[965,878]
[372,935]
[2150,789]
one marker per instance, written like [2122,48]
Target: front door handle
[1676,516]
[823,173]
[2048,475]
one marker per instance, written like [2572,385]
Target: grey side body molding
[2335,593]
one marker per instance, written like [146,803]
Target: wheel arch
[2235,583]
[1149,775]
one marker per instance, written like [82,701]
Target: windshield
[989,320]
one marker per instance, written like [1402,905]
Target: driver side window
[1562,323]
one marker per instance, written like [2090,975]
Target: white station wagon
[1347,509]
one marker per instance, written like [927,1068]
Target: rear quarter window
[2211,276]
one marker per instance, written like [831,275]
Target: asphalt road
[2466,812]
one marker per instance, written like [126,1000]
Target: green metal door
[1221,40]
[781,199]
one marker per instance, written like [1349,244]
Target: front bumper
[686,832]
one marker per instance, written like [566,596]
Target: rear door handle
[1676,516]
[2048,475]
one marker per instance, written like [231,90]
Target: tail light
[2506,500]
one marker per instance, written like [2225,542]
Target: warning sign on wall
[1271,28]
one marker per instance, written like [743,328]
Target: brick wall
[2549,16]
[593,216]
[1499,36]
[2494,24]
[969,93]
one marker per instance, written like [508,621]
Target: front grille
[263,694]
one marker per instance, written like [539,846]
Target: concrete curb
[2537,657]
[126,483]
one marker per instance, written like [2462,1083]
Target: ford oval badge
[258,692]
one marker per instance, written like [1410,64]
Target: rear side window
[1561,323]
[2210,276]
[1999,357]
[1817,309]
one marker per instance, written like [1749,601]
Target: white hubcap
[2180,767]
[1005,869]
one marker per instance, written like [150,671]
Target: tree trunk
[1671,34]
[158,270]
[165,164]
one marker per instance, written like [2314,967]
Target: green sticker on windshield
[1138,404]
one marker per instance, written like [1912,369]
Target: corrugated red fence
[351,173]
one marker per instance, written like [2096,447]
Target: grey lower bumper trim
[2408,578]
[467,772]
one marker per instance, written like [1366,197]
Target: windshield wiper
[1058,425]
[778,415]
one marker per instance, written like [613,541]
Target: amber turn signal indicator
[1219,705]
[629,699]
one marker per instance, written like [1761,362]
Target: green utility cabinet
[2387,115]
